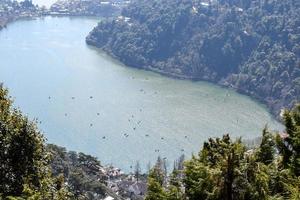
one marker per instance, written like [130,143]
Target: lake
[88,102]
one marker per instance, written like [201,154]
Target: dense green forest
[250,45]
[82,173]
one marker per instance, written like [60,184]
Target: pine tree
[155,185]
[137,170]
[199,180]
[174,190]
[289,143]
[218,171]
[258,179]
[266,150]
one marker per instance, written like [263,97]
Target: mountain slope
[252,46]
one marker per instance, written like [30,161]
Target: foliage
[289,142]
[24,171]
[158,188]
[86,178]
[226,170]
[266,151]
[155,185]
[250,45]
[81,172]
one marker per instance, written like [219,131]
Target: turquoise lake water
[117,113]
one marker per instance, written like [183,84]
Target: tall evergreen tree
[266,150]
[216,174]
[289,142]
[155,184]
[137,171]
[174,190]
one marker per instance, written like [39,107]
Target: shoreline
[254,97]
[149,68]
[7,21]
[170,75]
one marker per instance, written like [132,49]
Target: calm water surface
[116,113]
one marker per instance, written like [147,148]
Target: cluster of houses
[88,7]
[124,185]
[13,10]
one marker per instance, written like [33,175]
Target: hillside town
[102,8]
[14,10]
[127,186]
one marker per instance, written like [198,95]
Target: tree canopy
[24,171]
[250,45]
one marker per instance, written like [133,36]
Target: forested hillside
[250,45]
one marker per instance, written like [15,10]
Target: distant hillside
[87,8]
[250,45]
